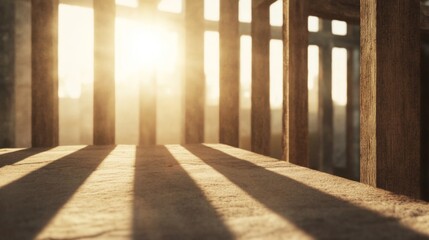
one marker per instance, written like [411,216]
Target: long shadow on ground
[17,156]
[168,203]
[319,214]
[27,205]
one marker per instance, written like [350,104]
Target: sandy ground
[190,192]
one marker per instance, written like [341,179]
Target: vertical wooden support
[260,111]
[352,108]
[194,71]
[425,114]
[104,72]
[147,108]
[326,111]
[295,103]
[44,89]
[7,73]
[390,95]
[229,73]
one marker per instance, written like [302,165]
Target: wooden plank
[352,107]
[345,10]
[260,110]
[229,74]
[425,118]
[295,103]
[194,71]
[44,72]
[104,72]
[326,109]
[148,85]
[390,95]
[7,73]
[262,3]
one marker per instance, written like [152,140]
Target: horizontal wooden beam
[262,3]
[345,10]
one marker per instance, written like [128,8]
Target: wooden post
[326,112]
[104,72]
[229,73]
[44,89]
[390,95]
[7,73]
[295,103]
[425,114]
[194,71]
[352,108]
[148,88]
[260,111]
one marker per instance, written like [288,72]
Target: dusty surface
[190,192]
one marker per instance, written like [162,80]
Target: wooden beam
[345,10]
[229,74]
[44,72]
[390,95]
[262,3]
[260,110]
[295,103]
[148,85]
[352,107]
[7,73]
[104,72]
[194,71]
[425,118]
[326,109]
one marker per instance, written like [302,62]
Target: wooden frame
[104,72]
[390,95]
[229,75]
[44,59]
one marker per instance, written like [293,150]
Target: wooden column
[326,111]
[194,71]
[390,95]
[7,73]
[352,108]
[44,89]
[295,103]
[104,72]
[229,73]
[425,114]
[148,88]
[260,111]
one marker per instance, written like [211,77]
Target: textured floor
[190,192]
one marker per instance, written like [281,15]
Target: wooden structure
[201,191]
[393,108]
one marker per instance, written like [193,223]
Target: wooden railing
[390,80]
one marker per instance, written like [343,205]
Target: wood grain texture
[229,73]
[148,83]
[295,103]
[424,17]
[7,73]
[326,109]
[390,95]
[425,118]
[104,72]
[194,71]
[345,10]
[352,107]
[44,73]
[260,110]
[262,3]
